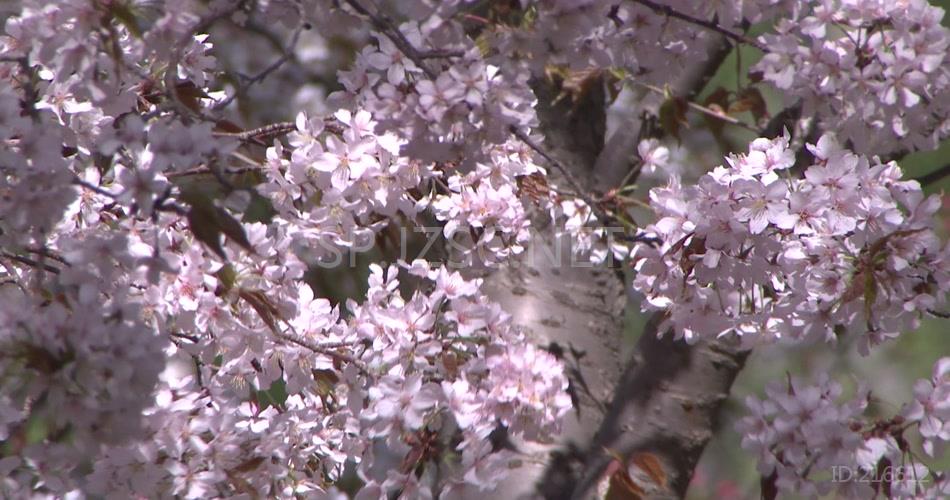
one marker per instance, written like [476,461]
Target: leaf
[533,186]
[750,100]
[249,464]
[262,305]
[275,395]
[719,96]
[483,43]
[326,381]
[652,467]
[233,229]
[578,84]
[189,93]
[260,209]
[126,17]
[673,115]
[227,126]
[203,222]
[227,277]
[717,101]
[208,222]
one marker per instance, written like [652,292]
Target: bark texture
[575,310]
[664,411]
[658,407]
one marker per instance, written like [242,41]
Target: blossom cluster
[190,357]
[485,211]
[802,432]
[875,71]
[454,108]
[588,235]
[931,407]
[631,35]
[80,369]
[358,179]
[751,251]
[159,337]
[415,370]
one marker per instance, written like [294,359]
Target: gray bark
[664,399]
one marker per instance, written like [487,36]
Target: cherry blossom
[747,245]
[163,327]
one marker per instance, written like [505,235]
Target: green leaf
[208,222]
[326,381]
[275,395]
[126,18]
[227,277]
[673,115]
[203,222]
[233,229]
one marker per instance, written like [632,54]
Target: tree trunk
[661,405]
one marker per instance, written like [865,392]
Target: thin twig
[320,349]
[204,170]
[192,338]
[45,252]
[271,130]
[169,206]
[30,262]
[441,54]
[92,187]
[703,109]
[669,11]
[562,169]
[385,26]
[286,56]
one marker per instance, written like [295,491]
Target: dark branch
[575,184]
[386,27]
[274,66]
[271,130]
[666,404]
[30,262]
[666,9]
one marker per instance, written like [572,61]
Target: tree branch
[666,405]
[613,162]
[575,184]
[273,129]
[284,57]
[30,262]
[386,27]
[703,109]
[669,11]
[330,350]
